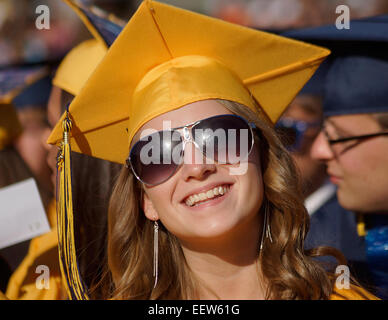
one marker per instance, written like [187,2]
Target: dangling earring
[266,227]
[156,249]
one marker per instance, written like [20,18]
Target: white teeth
[194,199]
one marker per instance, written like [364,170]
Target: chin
[351,202]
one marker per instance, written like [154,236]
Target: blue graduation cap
[372,29]
[316,85]
[368,36]
[15,80]
[104,26]
[356,84]
[35,95]
[357,75]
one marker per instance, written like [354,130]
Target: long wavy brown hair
[289,270]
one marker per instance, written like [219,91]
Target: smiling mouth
[204,197]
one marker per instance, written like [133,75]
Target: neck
[227,267]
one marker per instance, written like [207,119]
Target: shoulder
[353,293]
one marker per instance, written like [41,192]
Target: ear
[148,208]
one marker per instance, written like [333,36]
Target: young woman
[208,205]
[244,240]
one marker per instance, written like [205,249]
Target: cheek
[32,152]
[160,197]
[359,165]
[308,167]
[251,189]
[250,186]
[52,157]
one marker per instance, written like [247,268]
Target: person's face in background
[358,167]
[28,144]
[54,110]
[305,112]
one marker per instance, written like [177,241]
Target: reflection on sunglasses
[225,139]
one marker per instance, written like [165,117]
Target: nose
[195,165]
[321,149]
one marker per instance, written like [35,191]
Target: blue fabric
[332,225]
[316,85]
[356,84]
[377,254]
[108,30]
[16,78]
[357,79]
[368,29]
[35,95]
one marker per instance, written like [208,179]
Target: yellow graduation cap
[143,74]
[78,65]
[166,58]
[82,60]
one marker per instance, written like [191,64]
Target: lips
[334,178]
[206,194]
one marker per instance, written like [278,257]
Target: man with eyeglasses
[354,145]
[330,224]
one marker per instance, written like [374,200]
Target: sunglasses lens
[156,157]
[225,139]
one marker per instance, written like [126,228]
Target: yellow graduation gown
[26,282]
[353,293]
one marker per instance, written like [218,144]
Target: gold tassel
[361,225]
[67,252]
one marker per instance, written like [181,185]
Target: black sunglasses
[292,132]
[224,139]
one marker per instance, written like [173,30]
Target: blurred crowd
[21,41]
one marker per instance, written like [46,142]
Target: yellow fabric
[3,296]
[43,250]
[80,62]
[78,65]
[68,262]
[361,230]
[10,126]
[353,293]
[199,78]
[162,47]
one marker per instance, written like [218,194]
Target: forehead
[354,123]
[185,115]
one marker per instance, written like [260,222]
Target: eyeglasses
[365,136]
[225,139]
[292,132]
[343,146]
